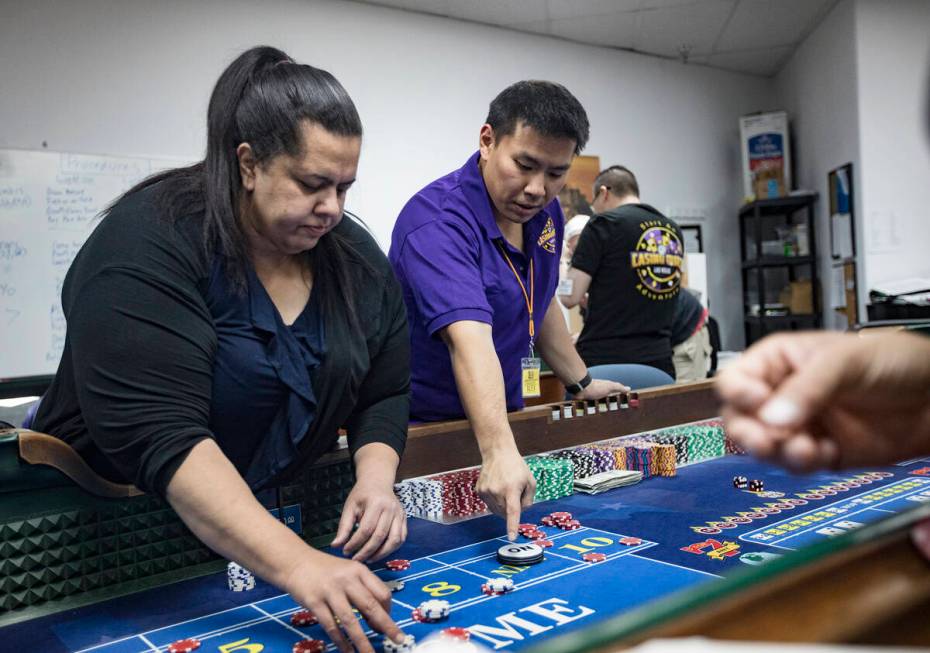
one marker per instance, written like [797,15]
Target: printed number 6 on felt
[441,588]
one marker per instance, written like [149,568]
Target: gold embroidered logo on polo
[547,237]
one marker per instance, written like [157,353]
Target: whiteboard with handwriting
[49,204]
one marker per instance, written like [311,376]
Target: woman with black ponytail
[224,320]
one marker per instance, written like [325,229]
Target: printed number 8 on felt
[441,588]
[590,542]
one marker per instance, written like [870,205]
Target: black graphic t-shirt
[634,256]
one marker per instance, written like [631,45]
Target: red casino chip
[527,527]
[417,616]
[397,565]
[547,521]
[630,541]
[560,516]
[303,618]
[594,557]
[309,646]
[184,645]
[570,525]
[534,534]
[544,543]
[460,634]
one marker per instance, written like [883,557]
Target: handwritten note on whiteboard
[50,202]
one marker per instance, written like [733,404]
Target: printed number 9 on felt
[590,542]
[441,588]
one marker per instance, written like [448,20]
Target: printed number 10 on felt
[590,542]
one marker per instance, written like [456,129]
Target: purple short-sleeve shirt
[445,250]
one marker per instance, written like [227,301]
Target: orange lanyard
[528,297]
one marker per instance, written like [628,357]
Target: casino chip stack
[586,461]
[555,477]
[497,586]
[421,498]
[309,646]
[240,579]
[639,458]
[679,441]
[663,460]
[730,447]
[604,459]
[459,497]
[704,442]
[303,619]
[184,645]
[390,646]
[618,449]
[442,497]
[432,610]
[398,565]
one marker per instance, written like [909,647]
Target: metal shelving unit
[757,221]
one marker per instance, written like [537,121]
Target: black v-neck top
[161,351]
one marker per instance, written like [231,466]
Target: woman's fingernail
[779,412]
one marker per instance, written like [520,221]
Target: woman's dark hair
[547,107]
[262,98]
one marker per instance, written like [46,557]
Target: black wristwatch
[575,388]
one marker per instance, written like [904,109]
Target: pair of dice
[742,483]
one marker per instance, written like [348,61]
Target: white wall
[857,91]
[133,77]
[818,88]
[893,47]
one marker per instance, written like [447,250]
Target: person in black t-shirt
[226,319]
[628,261]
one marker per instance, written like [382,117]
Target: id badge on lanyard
[530,367]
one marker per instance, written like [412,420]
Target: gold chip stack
[663,460]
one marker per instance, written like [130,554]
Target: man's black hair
[547,107]
[619,180]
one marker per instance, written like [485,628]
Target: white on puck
[519,552]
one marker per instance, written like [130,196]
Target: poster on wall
[577,195]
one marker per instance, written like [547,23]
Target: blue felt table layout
[660,536]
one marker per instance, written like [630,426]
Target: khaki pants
[691,358]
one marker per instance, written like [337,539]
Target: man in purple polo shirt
[477,254]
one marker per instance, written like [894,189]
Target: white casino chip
[390,646]
[435,609]
[500,584]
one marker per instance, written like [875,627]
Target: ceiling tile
[499,13]
[765,62]
[663,31]
[577,8]
[768,23]
[612,30]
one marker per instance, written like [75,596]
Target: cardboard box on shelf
[766,155]
[798,297]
